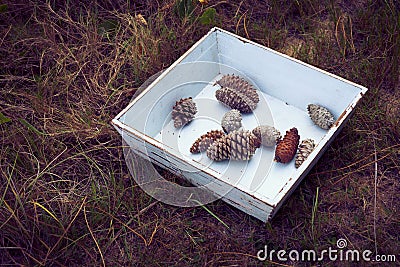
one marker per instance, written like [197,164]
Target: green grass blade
[31,127]
[48,212]
[314,211]
[212,213]
[4,119]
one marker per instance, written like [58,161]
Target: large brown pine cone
[235,99]
[241,85]
[286,149]
[237,145]
[220,149]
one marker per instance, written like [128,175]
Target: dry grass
[66,196]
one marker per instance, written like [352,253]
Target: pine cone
[220,150]
[243,145]
[267,135]
[286,149]
[232,120]
[321,116]
[204,141]
[183,111]
[305,148]
[240,85]
[237,145]
[235,99]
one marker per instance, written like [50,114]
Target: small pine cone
[321,116]
[183,111]
[235,100]
[286,149]
[267,135]
[237,145]
[240,85]
[203,142]
[232,120]
[305,148]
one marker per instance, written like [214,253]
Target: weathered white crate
[286,86]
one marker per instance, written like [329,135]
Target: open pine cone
[286,149]
[183,112]
[203,142]
[305,148]
[235,100]
[237,145]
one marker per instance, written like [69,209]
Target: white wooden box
[286,86]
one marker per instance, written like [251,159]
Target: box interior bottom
[260,176]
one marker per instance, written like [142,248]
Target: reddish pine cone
[204,141]
[286,149]
[183,111]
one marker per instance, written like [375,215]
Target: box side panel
[134,142]
[248,204]
[206,50]
[288,189]
[238,198]
[279,76]
[152,110]
[230,194]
